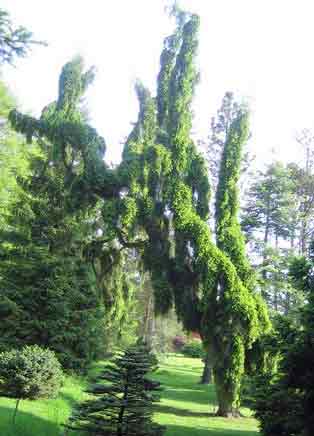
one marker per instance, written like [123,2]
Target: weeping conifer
[157,202]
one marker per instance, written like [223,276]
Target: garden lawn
[186,407]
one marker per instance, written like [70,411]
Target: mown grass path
[186,407]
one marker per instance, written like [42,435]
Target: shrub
[30,373]
[193,348]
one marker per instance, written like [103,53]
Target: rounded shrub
[30,373]
[193,348]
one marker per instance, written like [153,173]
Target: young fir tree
[122,400]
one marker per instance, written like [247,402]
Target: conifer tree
[49,292]
[157,202]
[122,399]
[62,285]
[14,41]
[283,398]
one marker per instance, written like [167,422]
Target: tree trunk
[227,406]
[207,371]
[15,410]
[303,241]
[266,237]
[122,408]
[276,298]
[287,304]
[148,324]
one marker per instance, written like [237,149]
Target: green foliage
[283,401]
[14,156]
[14,41]
[270,220]
[193,348]
[30,373]
[228,230]
[270,200]
[49,290]
[219,130]
[122,398]
[156,201]
[64,283]
[184,410]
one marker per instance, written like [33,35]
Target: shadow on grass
[162,408]
[69,399]
[26,424]
[197,395]
[176,430]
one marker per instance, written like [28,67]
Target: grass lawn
[186,407]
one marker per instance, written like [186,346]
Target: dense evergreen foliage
[14,156]
[62,285]
[122,399]
[29,373]
[157,202]
[284,395]
[49,292]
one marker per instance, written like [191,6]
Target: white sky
[261,49]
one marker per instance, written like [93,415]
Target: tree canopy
[156,201]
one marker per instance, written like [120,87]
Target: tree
[231,241]
[122,399]
[54,273]
[304,176]
[29,373]
[157,202]
[219,130]
[269,203]
[49,293]
[14,41]
[270,221]
[284,399]
[14,156]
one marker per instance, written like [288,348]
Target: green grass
[186,407]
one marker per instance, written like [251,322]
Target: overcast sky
[262,50]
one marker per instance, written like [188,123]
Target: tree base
[235,413]
[205,381]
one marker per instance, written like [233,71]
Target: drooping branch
[157,202]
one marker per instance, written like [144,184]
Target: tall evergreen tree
[49,291]
[231,241]
[270,204]
[272,223]
[157,201]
